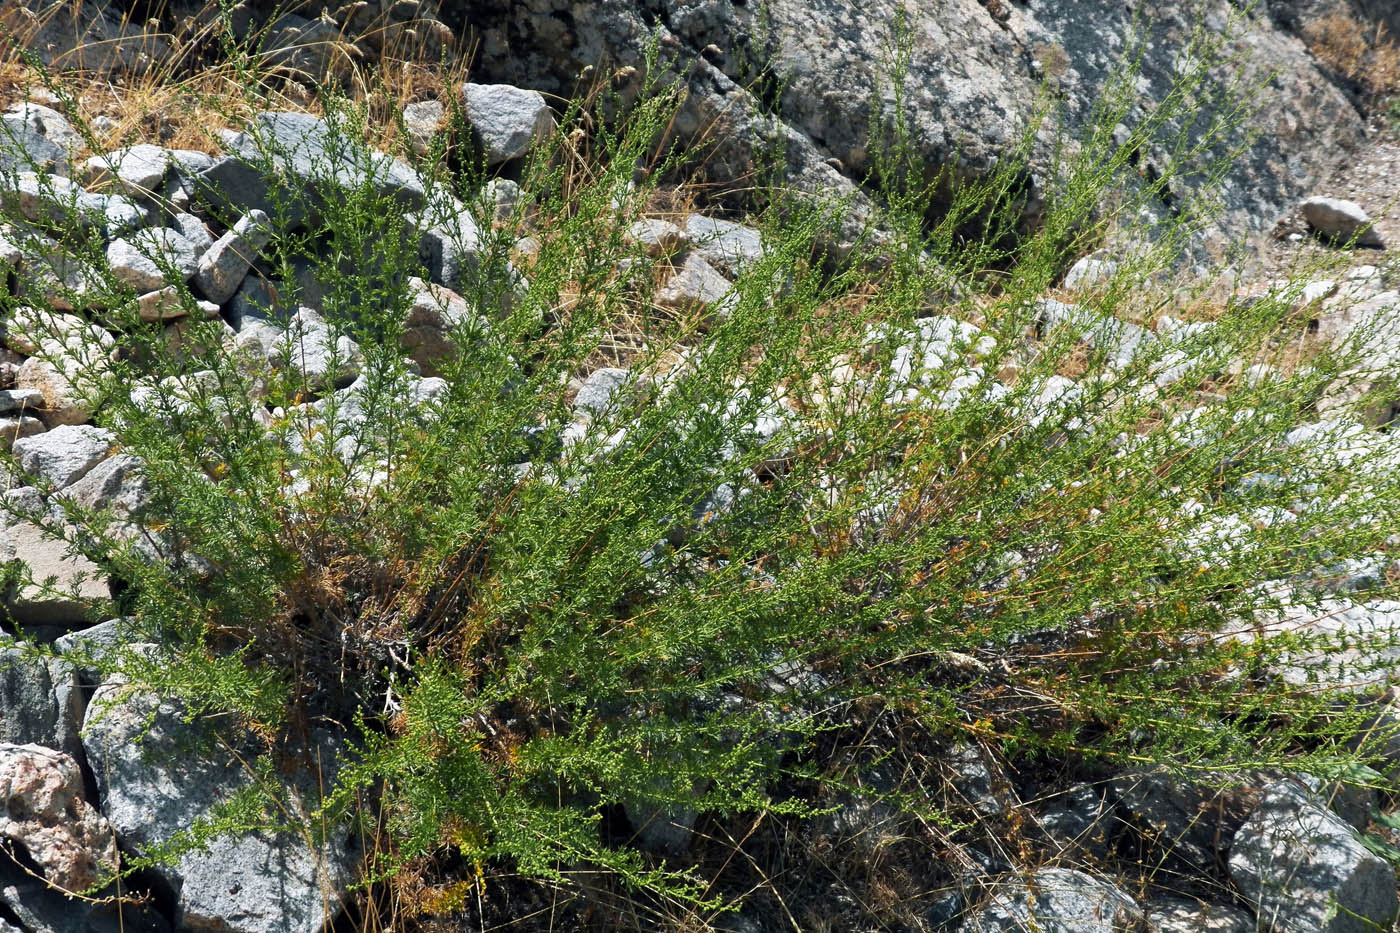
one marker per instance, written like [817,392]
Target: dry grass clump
[172,80]
[1365,55]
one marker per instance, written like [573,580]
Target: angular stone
[116,483]
[64,401]
[153,783]
[728,246]
[139,169]
[421,119]
[163,305]
[505,120]
[1341,220]
[1304,870]
[1182,916]
[322,358]
[61,457]
[1056,900]
[12,400]
[47,122]
[1089,273]
[25,149]
[449,243]
[1079,822]
[78,583]
[14,427]
[142,260]
[43,198]
[44,910]
[1121,340]
[597,390]
[222,267]
[660,238]
[40,701]
[315,160]
[193,229]
[695,286]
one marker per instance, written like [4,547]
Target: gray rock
[90,648]
[1341,220]
[142,260]
[1056,900]
[43,198]
[313,160]
[192,228]
[449,243]
[1121,340]
[1304,870]
[421,119]
[1172,814]
[978,780]
[304,47]
[323,358]
[155,781]
[1364,652]
[165,304]
[1079,823]
[61,457]
[47,122]
[62,282]
[505,120]
[658,237]
[661,829]
[501,195]
[42,808]
[92,36]
[40,702]
[1176,915]
[116,483]
[232,187]
[257,299]
[696,286]
[222,267]
[67,399]
[139,169]
[189,162]
[1090,273]
[728,246]
[13,427]
[597,391]
[24,149]
[19,400]
[966,112]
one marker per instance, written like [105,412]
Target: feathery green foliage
[887,475]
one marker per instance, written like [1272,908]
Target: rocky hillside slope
[96,773]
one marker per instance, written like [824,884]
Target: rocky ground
[1280,852]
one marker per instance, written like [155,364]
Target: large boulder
[971,86]
[1304,870]
[311,158]
[156,774]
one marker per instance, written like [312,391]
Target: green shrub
[881,481]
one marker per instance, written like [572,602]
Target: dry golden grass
[180,85]
[1366,55]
